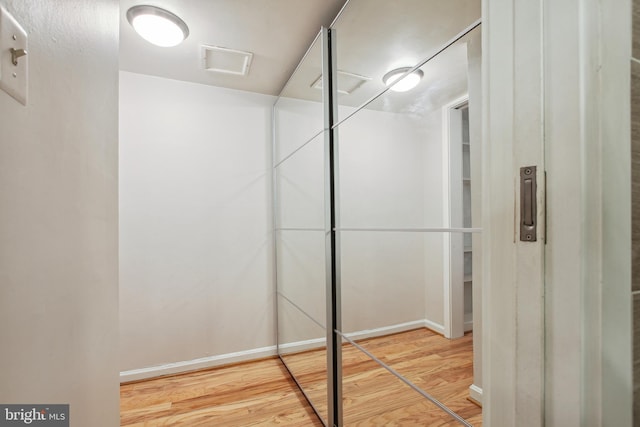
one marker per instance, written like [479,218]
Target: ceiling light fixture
[398,84]
[157,26]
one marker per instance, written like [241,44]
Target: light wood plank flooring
[261,393]
[374,397]
[251,394]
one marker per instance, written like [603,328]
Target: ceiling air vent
[227,61]
[347,82]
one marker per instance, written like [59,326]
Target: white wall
[195,242]
[431,134]
[380,186]
[300,251]
[390,176]
[297,121]
[58,214]
[385,174]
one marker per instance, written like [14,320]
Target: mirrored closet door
[299,228]
[377,198]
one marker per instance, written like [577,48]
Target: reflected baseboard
[258,353]
[393,329]
[435,327]
[301,346]
[196,364]
[468,325]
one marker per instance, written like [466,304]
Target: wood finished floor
[374,397]
[261,393]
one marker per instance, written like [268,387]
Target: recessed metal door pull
[528,206]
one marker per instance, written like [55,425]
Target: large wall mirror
[298,181]
[406,164]
[405,210]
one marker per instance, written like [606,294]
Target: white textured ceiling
[374,36]
[277,32]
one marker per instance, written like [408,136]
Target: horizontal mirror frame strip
[298,229]
[406,381]
[448,44]
[414,230]
[288,156]
[301,310]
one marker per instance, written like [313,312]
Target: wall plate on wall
[14,60]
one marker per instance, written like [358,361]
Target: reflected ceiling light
[157,26]
[407,83]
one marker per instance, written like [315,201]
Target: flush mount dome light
[157,26]
[392,78]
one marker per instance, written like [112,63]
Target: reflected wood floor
[260,393]
[374,397]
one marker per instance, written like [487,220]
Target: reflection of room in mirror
[391,227]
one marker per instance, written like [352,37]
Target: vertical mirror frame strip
[334,342]
[274,220]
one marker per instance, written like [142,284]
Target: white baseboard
[195,364]
[298,346]
[468,325]
[475,393]
[386,330]
[436,327]
[257,353]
